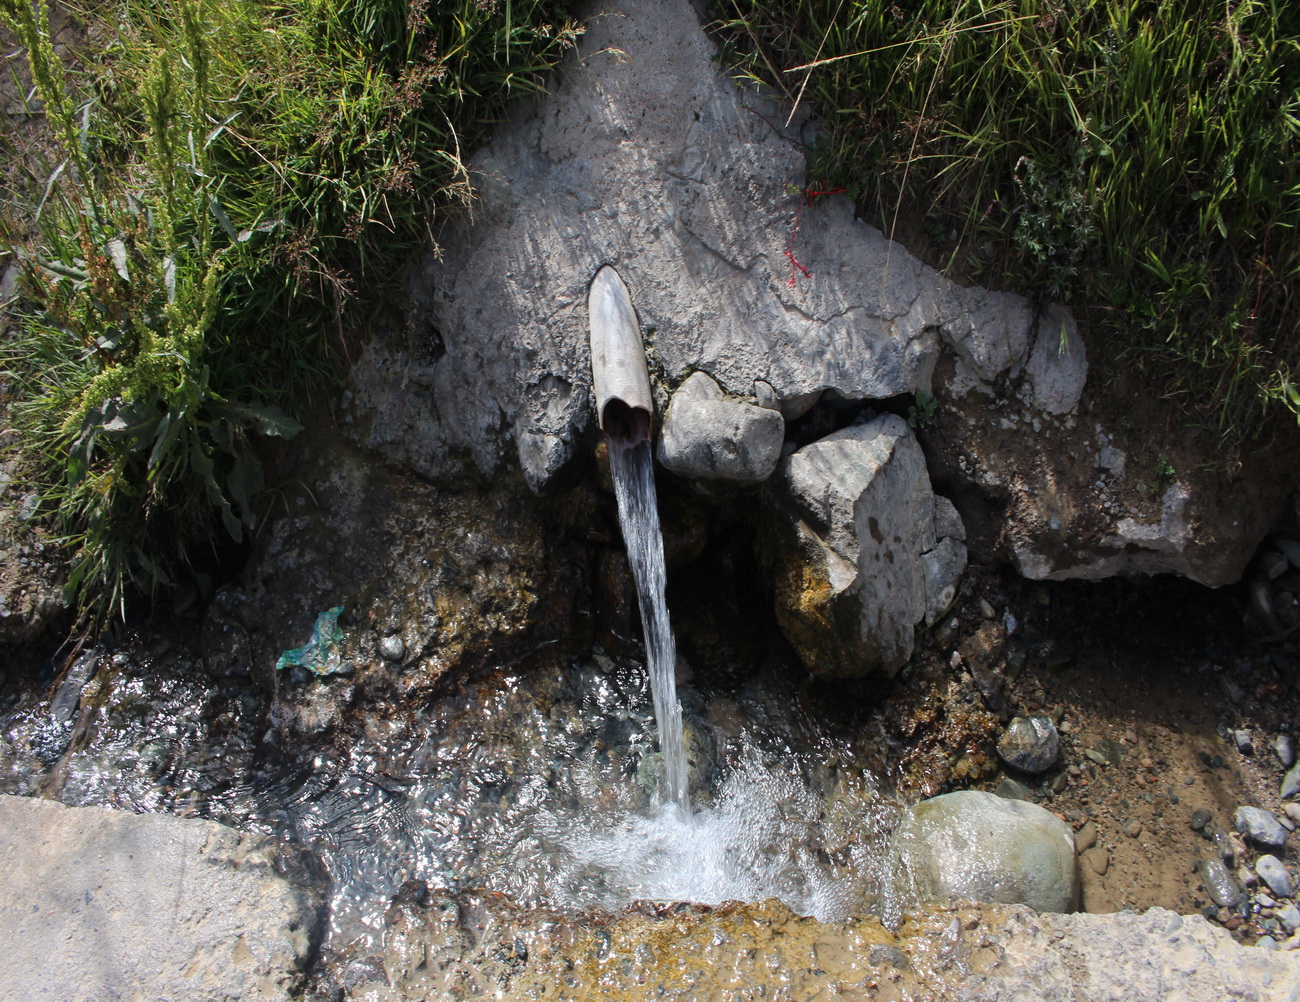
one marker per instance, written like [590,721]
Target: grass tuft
[1136,160]
[232,174]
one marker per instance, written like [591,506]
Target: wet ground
[538,780]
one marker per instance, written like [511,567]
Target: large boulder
[856,556]
[977,846]
[101,904]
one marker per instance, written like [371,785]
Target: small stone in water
[392,648]
[1010,789]
[1030,744]
[1273,873]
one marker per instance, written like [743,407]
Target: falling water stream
[632,467]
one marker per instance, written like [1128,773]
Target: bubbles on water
[761,838]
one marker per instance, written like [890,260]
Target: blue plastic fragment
[322,654]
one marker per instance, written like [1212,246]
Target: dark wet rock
[391,648]
[109,904]
[1260,827]
[1030,744]
[708,436]
[1220,884]
[848,537]
[1272,871]
[1242,739]
[977,846]
[1200,818]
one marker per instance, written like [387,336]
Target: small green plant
[1164,468]
[233,173]
[921,414]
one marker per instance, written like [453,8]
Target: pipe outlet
[624,405]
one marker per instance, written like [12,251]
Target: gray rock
[1010,789]
[1200,818]
[1290,549]
[1290,918]
[712,438]
[1273,872]
[392,648]
[1220,884]
[1284,749]
[976,846]
[1245,745]
[1030,744]
[107,904]
[1058,365]
[1260,827]
[851,527]
[1290,784]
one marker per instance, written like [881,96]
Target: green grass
[1136,160]
[233,175]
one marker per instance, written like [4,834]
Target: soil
[1147,682]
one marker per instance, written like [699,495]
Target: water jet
[625,408]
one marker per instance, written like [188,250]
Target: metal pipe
[624,404]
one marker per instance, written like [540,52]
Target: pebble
[1030,744]
[1244,745]
[1098,860]
[1273,873]
[1010,789]
[392,648]
[1133,829]
[1219,883]
[1290,784]
[1096,756]
[1260,827]
[1290,918]
[987,610]
[1085,838]
[1200,818]
[1284,749]
[1293,812]
[1264,901]
[1232,690]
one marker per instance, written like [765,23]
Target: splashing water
[632,468]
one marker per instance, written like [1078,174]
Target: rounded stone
[976,846]
[1030,744]
[1274,873]
[1220,884]
[392,648]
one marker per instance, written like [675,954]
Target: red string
[806,199]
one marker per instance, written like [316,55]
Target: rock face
[710,437]
[855,552]
[105,904]
[977,846]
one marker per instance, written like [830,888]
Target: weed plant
[1137,160]
[236,177]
